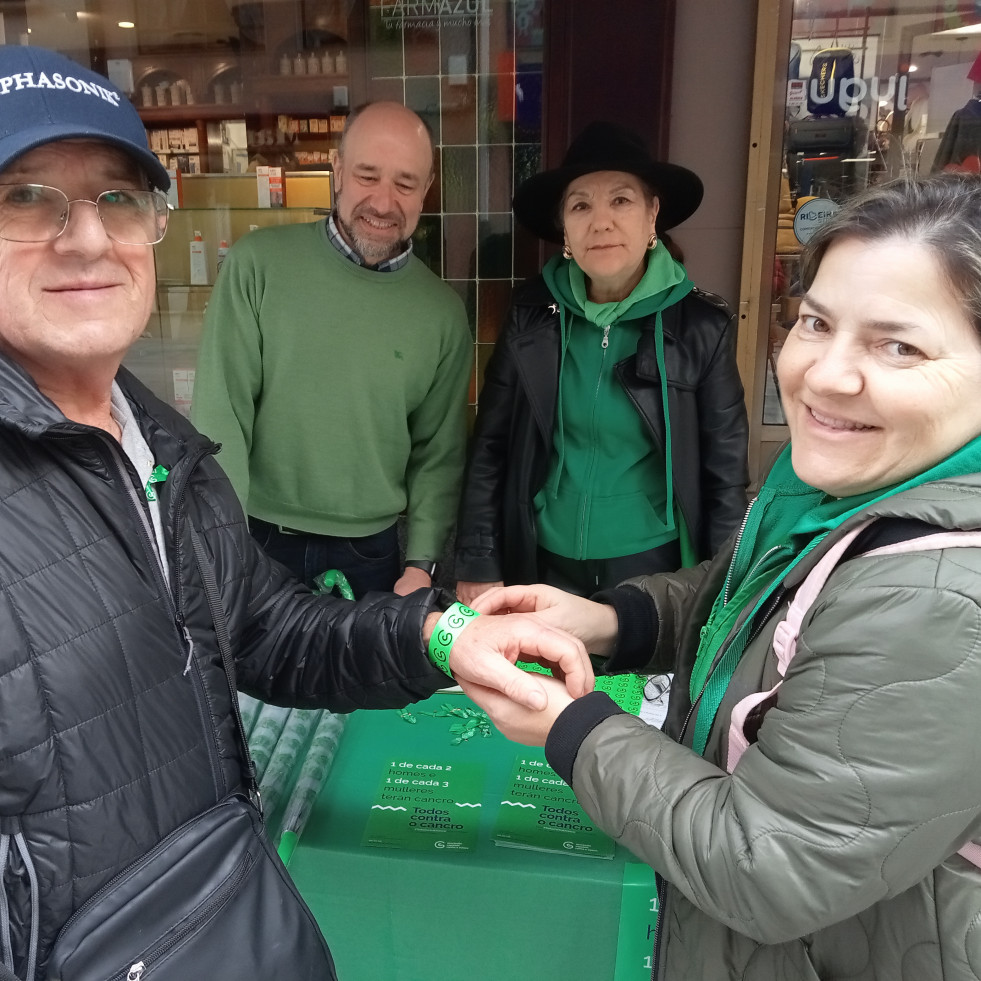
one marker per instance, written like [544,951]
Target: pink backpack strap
[786,632]
[943,539]
[785,640]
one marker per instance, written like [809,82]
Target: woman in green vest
[813,807]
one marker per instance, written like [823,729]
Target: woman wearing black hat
[611,436]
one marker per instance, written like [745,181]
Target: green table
[490,914]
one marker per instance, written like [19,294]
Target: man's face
[76,303]
[381,181]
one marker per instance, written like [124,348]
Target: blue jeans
[371,562]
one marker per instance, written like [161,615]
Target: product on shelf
[199,261]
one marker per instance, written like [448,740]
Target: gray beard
[368,250]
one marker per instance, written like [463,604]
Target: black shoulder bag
[211,900]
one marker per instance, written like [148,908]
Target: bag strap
[787,631]
[225,647]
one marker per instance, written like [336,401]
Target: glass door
[862,92]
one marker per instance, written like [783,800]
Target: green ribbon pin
[157,476]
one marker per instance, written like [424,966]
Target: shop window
[227,88]
[873,92]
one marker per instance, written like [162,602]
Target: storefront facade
[227,89]
[733,91]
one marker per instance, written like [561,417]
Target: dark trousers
[587,576]
[370,563]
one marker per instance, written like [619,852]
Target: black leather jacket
[512,441]
[115,715]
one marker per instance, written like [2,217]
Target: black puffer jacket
[111,735]
[512,440]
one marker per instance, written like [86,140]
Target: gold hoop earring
[566,252]
[652,242]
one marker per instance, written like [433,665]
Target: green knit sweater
[338,392]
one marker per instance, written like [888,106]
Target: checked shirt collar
[386,265]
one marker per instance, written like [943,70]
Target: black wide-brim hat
[606,146]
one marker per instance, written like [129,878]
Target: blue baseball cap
[45,97]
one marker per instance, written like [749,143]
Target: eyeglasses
[38,213]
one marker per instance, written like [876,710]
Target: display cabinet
[288,85]
[222,209]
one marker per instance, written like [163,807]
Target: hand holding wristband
[446,631]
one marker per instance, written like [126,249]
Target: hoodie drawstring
[559,417]
[668,474]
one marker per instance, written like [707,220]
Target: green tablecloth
[490,914]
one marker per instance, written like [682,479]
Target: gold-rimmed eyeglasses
[38,213]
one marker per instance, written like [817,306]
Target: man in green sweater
[334,369]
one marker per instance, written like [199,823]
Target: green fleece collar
[664,282]
[813,512]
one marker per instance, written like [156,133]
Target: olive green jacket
[830,851]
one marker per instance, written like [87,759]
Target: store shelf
[223,110]
[190,113]
[288,83]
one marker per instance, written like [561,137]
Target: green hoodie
[609,490]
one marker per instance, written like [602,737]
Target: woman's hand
[485,651]
[515,721]
[595,624]
[467,592]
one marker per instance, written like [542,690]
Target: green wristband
[446,631]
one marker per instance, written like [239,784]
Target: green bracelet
[446,631]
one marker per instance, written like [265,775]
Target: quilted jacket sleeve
[296,648]
[862,781]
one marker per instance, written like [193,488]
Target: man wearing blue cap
[126,566]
